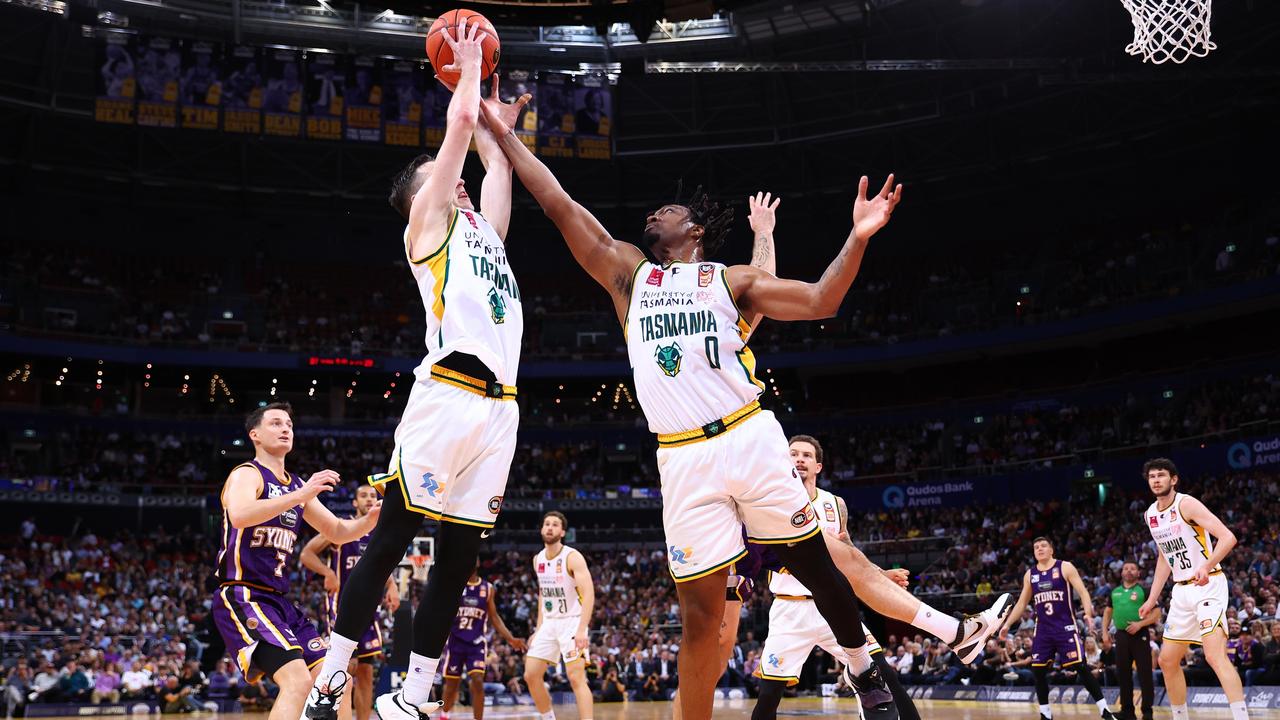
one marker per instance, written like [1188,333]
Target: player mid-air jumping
[723,460]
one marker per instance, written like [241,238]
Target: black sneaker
[322,703]
[1108,715]
[873,694]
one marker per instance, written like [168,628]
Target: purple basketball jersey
[472,622]
[257,556]
[342,560]
[1051,598]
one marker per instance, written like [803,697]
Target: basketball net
[416,563]
[1169,30]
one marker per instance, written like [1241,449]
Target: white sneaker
[392,706]
[975,629]
[322,703]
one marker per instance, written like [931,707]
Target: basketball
[439,54]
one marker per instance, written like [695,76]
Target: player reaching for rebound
[1192,544]
[457,434]
[263,505]
[566,599]
[336,570]
[468,644]
[1048,584]
[722,459]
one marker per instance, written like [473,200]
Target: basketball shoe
[976,628]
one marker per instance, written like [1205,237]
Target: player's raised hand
[499,117]
[320,482]
[467,49]
[871,214]
[760,212]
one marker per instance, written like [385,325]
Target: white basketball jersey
[557,590]
[687,344]
[471,298]
[1184,544]
[828,512]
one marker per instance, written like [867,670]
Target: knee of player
[293,677]
[533,675]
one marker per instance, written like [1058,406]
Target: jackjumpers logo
[668,358]
[497,307]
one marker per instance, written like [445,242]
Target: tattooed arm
[758,292]
[762,206]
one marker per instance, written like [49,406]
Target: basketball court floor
[832,707]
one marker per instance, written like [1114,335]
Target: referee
[1131,641]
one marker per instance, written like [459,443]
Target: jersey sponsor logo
[775,661]
[668,358]
[1206,624]
[655,277]
[289,518]
[1133,597]
[1055,574]
[1173,514]
[1153,521]
[497,307]
[471,219]
[681,556]
[706,272]
[251,623]
[830,511]
[705,297]
[495,504]
[315,644]
[542,567]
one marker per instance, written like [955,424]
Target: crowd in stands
[1063,431]
[89,618]
[305,306]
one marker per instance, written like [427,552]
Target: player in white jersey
[795,627]
[1191,543]
[456,438]
[566,598]
[723,460]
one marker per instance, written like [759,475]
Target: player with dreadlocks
[723,461]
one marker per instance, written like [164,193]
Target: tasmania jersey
[342,559]
[687,344]
[824,504]
[471,298]
[1184,544]
[257,556]
[472,622]
[557,590]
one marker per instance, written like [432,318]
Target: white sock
[1046,711]
[549,715]
[443,715]
[336,659]
[939,624]
[1102,705]
[1239,711]
[417,682]
[859,659]
[1179,712]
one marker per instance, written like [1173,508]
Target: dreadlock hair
[402,186]
[715,220]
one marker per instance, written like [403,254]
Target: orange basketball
[439,54]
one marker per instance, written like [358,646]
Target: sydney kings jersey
[1184,544]
[687,345]
[828,511]
[472,622]
[342,559]
[471,298]
[557,590]
[1051,599]
[258,556]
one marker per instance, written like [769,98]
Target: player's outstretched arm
[241,496]
[428,212]
[587,597]
[1225,541]
[516,643]
[335,530]
[758,292]
[495,190]
[609,262]
[1018,607]
[310,557]
[761,209]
